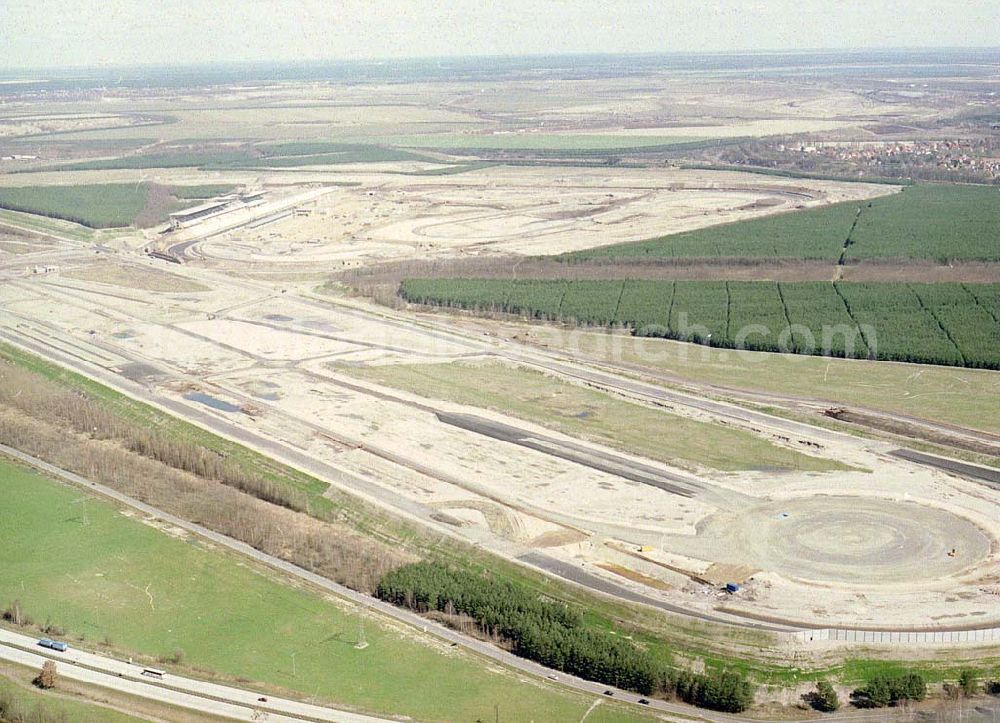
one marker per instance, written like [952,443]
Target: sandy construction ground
[886,544]
[502,210]
[239,333]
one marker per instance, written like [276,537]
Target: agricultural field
[537,141]
[202,192]
[941,223]
[99,206]
[952,324]
[63,560]
[157,160]
[592,415]
[280,155]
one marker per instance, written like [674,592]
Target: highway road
[174,690]
[242,704]
[400,614]
[559,364]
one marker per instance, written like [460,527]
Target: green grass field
[536,141]
[940,223]
[592,415]
[811,234]
[952,324]
[78,562]
[69,702]
[965,397]
[45,225]
[157,160]
[277,155]
[322,152]
[22,700]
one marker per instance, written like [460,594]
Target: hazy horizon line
[513,56]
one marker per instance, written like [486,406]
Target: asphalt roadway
[987,475]
[243,704]
[174,690]
[578,453]
[400,614]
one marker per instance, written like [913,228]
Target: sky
[55,33]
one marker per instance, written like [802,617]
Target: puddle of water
[270,396]
[127,334]
[211,401]
[278,317]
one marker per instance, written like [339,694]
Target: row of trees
[24,390]
[883,690]
[942,323]
[551,633]
[330,547]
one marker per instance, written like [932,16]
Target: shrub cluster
[883,690]
[728,692]
[21,710]
[824,698]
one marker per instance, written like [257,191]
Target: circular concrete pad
[852,540]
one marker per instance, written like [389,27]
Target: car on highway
[609,693]
[643,701]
